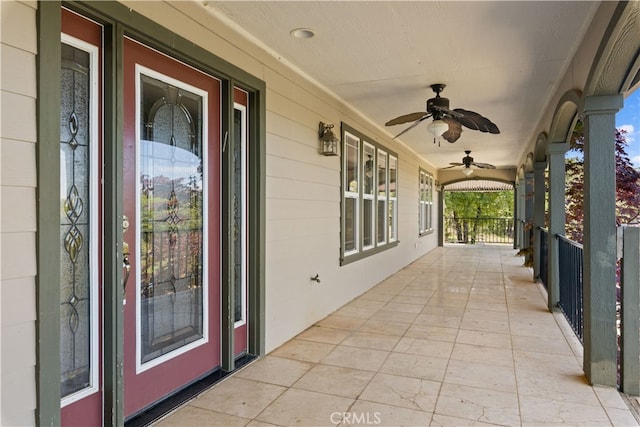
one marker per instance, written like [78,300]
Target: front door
[172,225]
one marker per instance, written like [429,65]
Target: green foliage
[470,216]
[462,204]
[627,186]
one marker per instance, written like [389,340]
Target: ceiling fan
[446,123]
[467,162]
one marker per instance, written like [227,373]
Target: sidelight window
[79,147]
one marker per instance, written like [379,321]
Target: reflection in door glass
[171,218]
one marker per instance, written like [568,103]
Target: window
[425,213]
[79,220]
[369,197]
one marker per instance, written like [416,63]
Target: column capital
[557,148]
[540,166]
[606,104]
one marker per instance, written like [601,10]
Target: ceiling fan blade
[475,121]
[411,117]
[455,129]
[447,111]
[414,124]
[453,165]
[483,165]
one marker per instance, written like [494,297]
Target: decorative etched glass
[75,217]
[238,217]
[171,218]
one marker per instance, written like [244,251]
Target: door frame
[119,21]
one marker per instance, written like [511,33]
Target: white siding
[302,186]
[18,212]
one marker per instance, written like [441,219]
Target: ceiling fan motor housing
[467,160]
[437,102]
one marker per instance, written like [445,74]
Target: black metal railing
[570,262]
[543,256]
[478,230]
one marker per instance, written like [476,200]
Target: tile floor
[460,337]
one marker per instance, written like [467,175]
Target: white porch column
[600,239]
[538,212]
[555,154]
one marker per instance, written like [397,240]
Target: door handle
[126,265]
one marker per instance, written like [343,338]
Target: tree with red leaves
[627,186]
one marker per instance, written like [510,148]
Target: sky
[629,119]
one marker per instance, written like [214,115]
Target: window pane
[393,166]
[350,211]
[393,172]
[369,167]
[382,197]
[382,174]
[171,218]
[76,219]
[392,216]
[382,219]
[351,163]
[239,219]
[367,223]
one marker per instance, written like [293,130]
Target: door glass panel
[78,217]
[239,224]
[171,218]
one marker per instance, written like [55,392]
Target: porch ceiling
[501,59]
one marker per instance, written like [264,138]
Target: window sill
[369,252]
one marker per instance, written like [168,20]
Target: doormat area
[162,408]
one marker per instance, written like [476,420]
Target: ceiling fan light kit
[437,128]
[467,171]
[438,108]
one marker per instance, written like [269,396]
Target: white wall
[18,212]
[303,187]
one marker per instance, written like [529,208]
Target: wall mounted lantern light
[328,141]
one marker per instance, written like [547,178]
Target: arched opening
[478,212]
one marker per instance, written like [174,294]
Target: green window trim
[368,196]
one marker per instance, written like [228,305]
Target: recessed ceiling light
[302,33]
